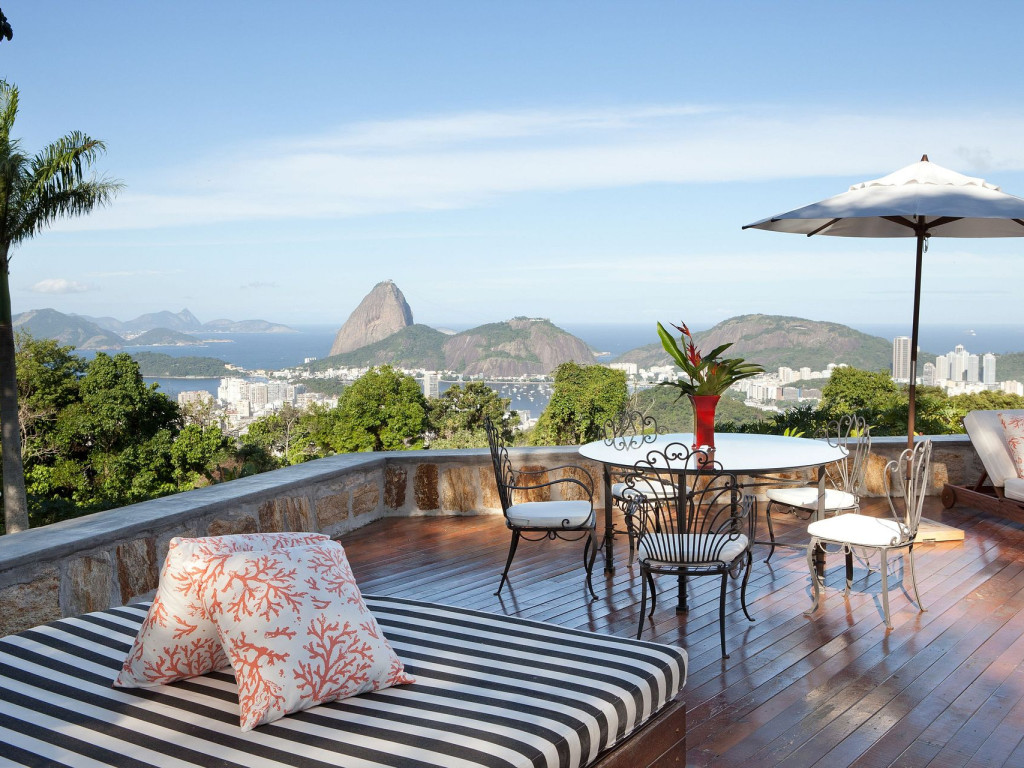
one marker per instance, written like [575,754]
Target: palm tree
[34,191]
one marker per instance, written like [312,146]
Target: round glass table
[752,456]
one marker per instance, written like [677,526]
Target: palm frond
[53,204]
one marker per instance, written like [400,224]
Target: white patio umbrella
[919,201]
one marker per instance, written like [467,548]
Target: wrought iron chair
[627,431]
[862,535]
[704,529]
[569,519]
[844,479]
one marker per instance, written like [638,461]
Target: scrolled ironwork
[511,481]
[692,519]
[629,430]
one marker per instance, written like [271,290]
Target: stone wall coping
[123,523]
[96,530]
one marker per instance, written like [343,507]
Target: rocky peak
[381,313]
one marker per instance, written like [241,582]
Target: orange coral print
[1013,428]
[297,631]
[178,638]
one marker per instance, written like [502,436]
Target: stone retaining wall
[114,557]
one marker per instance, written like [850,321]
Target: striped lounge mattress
[491,691]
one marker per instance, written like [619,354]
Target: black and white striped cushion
[491,691]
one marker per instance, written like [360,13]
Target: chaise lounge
[999,489]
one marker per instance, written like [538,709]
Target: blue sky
[590,162]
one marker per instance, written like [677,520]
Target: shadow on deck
[945,687]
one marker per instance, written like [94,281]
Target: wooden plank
[945,687]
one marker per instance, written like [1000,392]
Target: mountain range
[156,328]
[776,340]
[381,331]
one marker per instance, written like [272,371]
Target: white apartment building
[901,358]
[233,390]
[431,384]
[1011,387]
[194,396]
[928,374]
[973,369]
[631,369]
[989,370]
[259,394]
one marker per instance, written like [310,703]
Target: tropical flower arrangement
[708,374]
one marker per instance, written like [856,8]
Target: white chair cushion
[807,497]
[652,489]
[1014,488]
[859,530]
[550,514]
[987,436]
[654,545]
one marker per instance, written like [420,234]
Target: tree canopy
[457,416]
[585,397]
[383,410]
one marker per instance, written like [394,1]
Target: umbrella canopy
[919,201]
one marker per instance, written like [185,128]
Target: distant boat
[971,332]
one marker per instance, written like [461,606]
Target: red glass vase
[704,420]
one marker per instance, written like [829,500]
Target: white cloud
[59,285]
[467,160]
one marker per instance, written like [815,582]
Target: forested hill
[521,346]
[157,365]
[774,340]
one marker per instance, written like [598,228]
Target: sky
[587,162]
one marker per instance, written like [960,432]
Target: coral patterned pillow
[1013,427]
[297,631]
[178,639]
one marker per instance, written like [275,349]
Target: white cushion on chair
[859,530]
[807,498]
[1014,488]
[659,543]
[652,489]
[550,514]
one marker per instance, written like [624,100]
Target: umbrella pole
[913,336]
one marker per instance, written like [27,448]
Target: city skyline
[280,163]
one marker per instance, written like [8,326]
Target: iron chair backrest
[906,478]
[853,435]
[704,516]
[504,475]
[629,430]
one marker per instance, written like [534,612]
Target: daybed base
[659,744]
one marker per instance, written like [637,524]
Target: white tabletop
[739,453]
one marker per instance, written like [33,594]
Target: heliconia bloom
[693,354]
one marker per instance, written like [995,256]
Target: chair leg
[654,591]
[643,601]
[508,563]
[815,587]
[771,529]
[909,558]
[721,614]
[743,588]
[885,587]
[588,562]
[849,571]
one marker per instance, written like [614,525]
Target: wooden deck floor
[944,688]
